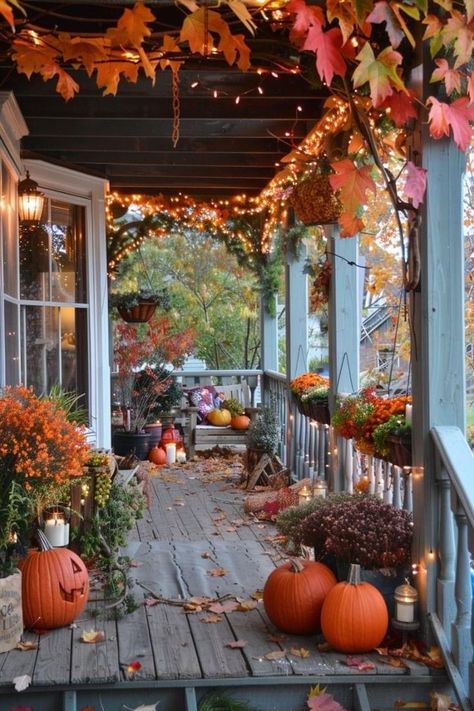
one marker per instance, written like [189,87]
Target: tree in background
[209,291]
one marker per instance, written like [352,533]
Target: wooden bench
[208,436]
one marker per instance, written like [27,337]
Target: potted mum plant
[363,529]
[310,391]
[41,452]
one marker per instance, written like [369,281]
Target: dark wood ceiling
[224,147]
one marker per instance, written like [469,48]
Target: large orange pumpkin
[55,586]
[354,616]
[219,418]
[294,594]
[240,422]
[157,455]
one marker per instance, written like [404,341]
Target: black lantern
[30,200]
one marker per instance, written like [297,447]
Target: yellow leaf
[247,605]
[26,646]
[109,74]
[211,619]
[274,656]
[92,636]
[301,652]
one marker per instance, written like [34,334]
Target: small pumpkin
[294,593]
[219,418]
[55,586]
[354,617]
[240,422]
[157,455]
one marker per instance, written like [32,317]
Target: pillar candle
[170,452]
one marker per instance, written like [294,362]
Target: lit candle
[405,600]
[56,530]
[170,452]
[408,413]
[181,456]
[320,488]
[304,494]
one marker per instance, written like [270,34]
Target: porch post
[437,313]
[268,338]
[296,325]
[344,332]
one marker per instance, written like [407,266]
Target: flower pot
[141,313]
[154,430]
[315,409]
[11,619]
[137,443]
[399,450]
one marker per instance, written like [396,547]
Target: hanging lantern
[30,200]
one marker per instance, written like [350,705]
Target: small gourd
[240,422]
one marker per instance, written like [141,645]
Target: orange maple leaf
[343,12]
[353,184]
[199,36]
[32,58]
[170,46]
[350,225]
[110,73]
[88,50]
[131,27]
[6,11]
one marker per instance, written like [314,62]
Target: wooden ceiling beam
[196,172]
[169,159]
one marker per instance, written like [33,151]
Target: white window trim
[89,191]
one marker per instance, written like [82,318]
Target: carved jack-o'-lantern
[55,586]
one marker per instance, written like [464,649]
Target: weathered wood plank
[17,663]
[53,661]
[95,662]
[134,644]
[173,648]
[217,660]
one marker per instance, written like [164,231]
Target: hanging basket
[315,202]
[141,313]
[399,450]
[318,411]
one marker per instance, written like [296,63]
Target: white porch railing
[452,616]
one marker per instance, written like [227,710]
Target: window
[53,297]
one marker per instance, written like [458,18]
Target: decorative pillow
[205,398]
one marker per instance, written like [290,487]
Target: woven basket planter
[315,202]
[318,411]
[141,313]
[399,450]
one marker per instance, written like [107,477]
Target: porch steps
[355,692]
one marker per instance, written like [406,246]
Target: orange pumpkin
[240,422]
[54,586]
[219,418]
[157,455]
[294,594]
[354,616]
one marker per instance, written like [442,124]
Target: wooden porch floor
[195,524]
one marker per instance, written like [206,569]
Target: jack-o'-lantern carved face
[55,588]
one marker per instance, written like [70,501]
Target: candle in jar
[408,413]
[56,530]
[320,488]
[405,611]
[170,452]
[304,494]
[181,456]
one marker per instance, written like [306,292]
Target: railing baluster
[322,447]
[306,445]
[348,466]
[461,627]
[388,488]
[407,491]
[447,555]
[396,482]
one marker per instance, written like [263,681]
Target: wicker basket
[315,202]
[400,450]
[318,411]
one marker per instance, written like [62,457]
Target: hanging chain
[206,28]
[176,108]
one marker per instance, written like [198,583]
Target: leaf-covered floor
[198,564]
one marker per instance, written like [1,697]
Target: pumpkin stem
[354,574]
[45,545]
[296,565]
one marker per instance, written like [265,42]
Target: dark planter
[137,443]
[318,411]
[141,313]
[400,450]
[154,430]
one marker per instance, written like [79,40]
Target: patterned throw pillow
[205,398]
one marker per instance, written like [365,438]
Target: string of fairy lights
[218,217]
